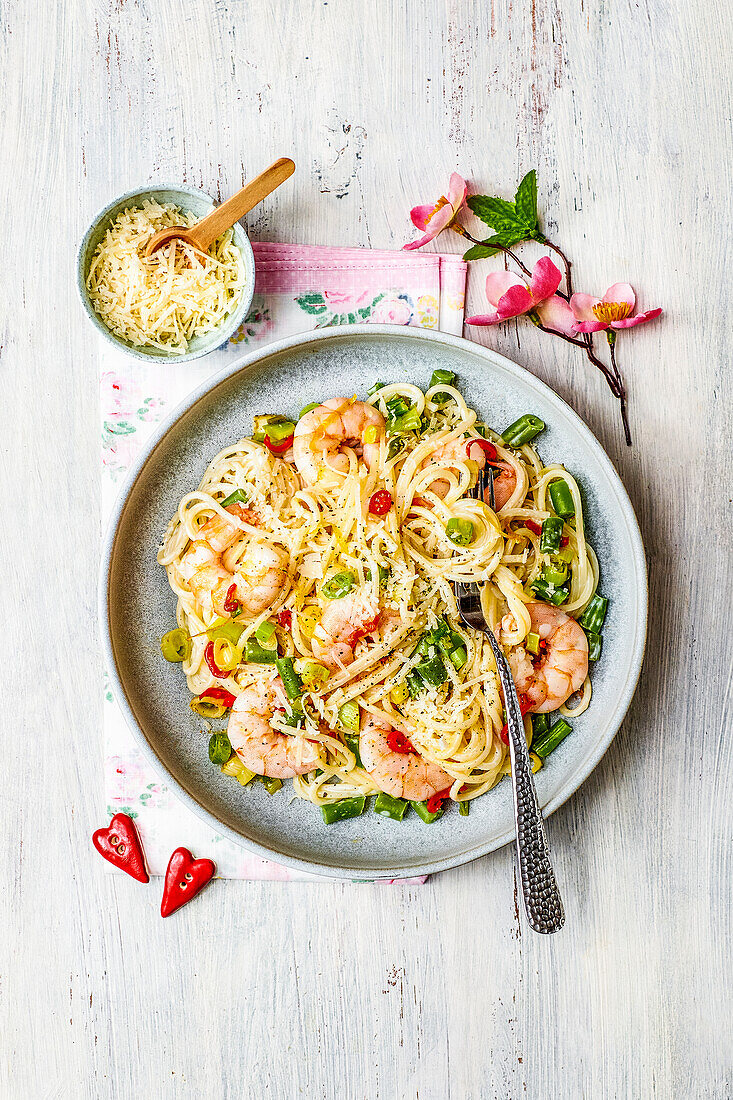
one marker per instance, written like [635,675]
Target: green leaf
[486,248]
[498,213]
[312,303]
[525,200]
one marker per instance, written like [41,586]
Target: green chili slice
[341,811]
[256,654]
[338,586]
[555,574]
[432,672]
[308,408]
[237,497]
[523,430]
[220,748]
[562,498]
[231,631]
[176,645]
[415,685]
[460,531]
[349,716]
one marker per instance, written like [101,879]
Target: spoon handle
[224,216]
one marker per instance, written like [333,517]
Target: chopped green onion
[340,811]
[271,785]
[382,573]
[207,708]
[395,446]
[523,430]
[415,685]
[373,389]
[397,407]
[220,748]
[176,646]
[276,428]
[555,574]
[349,716]
[460,531]
[230,631]
[410,422]
[432,672]
[352,742]
[595,644]
[265,632]
[237,497]
[540,725]
[255,654]
[543,746]
[464,808]
[458,657]
[550,592]
[421,809]
[566,555]
[313,674]
[594,614]
[396,808]
[308,408]
[338,585]
[551,535]
[291,681]
[441,378]
[532,644]
[562,498]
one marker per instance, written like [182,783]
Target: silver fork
[542,899]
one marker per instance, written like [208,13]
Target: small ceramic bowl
[199,204]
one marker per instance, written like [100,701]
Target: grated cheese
[177,294]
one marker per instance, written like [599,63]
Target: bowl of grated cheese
[179,304]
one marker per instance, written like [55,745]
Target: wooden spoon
[206,231]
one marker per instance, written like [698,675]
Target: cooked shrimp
[450,454]
[549,680]
[401,774]
[505,482]
[260,747]
[210,566]
[342,624]
[260,577]
[321,435]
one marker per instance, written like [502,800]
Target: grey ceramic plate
[137,606]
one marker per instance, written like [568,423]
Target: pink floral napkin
[297,287]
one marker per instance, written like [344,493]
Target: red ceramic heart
[184,879]
[120,845]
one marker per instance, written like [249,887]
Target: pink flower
[434,219]
[614,310]
[511,296]
[392,310]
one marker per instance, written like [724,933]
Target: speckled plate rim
[582,769]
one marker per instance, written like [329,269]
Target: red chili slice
[488,448]
[564,540]
[380,502]
[534,527]
[213,667]
[524,705]
[231,604]
[219,695]
[278,448]
[398,742]
[285,618]
[436,800]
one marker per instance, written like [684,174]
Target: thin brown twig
[622,387]
[567,263]
[613,386]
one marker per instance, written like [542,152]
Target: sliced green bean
[291,681]
[523,430]
[340,811]
[432,671]
[464,808]
[220,748]
[396,808]
[561,498]
[256,654]
[237,497]
[595,644]
[421,809]
[594,614]
[265,632]
[271,785]
[543,746]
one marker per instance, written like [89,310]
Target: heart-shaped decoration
[120,845]
[184,879]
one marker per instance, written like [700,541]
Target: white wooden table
[324,990]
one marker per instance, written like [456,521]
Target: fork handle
[541,895]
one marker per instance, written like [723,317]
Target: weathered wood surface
[359,991]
